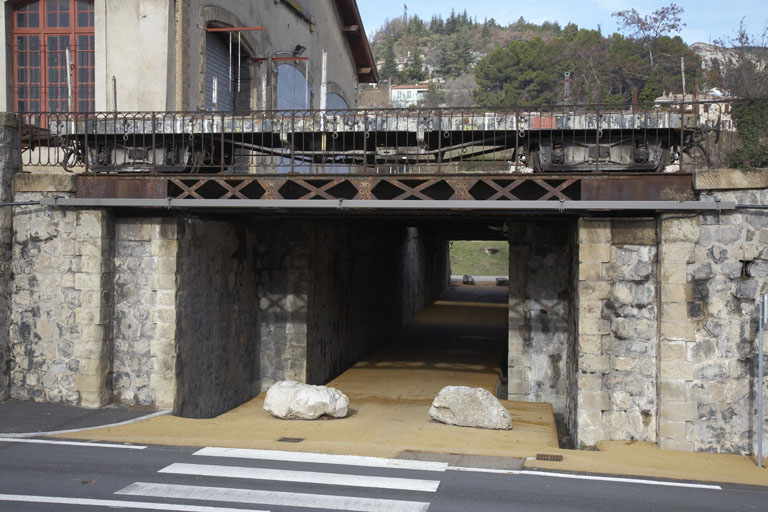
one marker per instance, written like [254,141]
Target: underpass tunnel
[459,338]
[270,298]
[367,305]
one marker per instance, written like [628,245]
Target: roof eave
[354,33]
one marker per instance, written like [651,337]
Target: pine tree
[389,69]
[456,57]
[414,71]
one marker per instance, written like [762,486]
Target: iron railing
[661,137]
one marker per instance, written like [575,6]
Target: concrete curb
[24,435]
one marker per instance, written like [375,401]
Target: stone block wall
[366,285]
[615,376]
[540,291]
[144,356]
[61,332]
[216,316]
[714,267]
[9,166]
[282,288]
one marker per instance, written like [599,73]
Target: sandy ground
[459,340]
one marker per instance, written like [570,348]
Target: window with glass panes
[54,61]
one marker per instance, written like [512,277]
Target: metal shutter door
[217,65]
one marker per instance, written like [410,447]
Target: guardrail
[662,137]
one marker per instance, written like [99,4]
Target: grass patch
[485,258]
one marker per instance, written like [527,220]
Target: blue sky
[706,19]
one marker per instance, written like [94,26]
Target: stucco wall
[165,40]
[155,49]
[134,44]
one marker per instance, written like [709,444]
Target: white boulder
[469,407]
[291,400]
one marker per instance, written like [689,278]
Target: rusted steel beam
[653,187]
[663,187]
[92,186]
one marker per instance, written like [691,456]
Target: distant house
[404,96]
[711,109]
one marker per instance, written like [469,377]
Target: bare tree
[743,63]
[647,29]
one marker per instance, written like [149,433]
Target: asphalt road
[38,476]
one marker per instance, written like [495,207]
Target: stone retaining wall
[144,356]
[617,331]
[216,315]
[61,331]
[715,266]
[9,166]
[283,287]
[667,328]
[540,294]
[366,285]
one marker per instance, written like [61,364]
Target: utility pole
[682,72]
[567,88]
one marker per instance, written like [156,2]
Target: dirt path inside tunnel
[460,339]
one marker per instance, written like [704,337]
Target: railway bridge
[190,260]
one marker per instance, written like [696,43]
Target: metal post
[214,93]
[70,70]
[597,140]
[682,73]
[114,93]
[323,84]
[762,319]
[154,145]
[682,134]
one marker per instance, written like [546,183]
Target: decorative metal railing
[662,137]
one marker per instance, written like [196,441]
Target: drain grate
[549,457]
[290,440]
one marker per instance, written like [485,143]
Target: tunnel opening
[377,307]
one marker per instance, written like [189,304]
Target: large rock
[469,407]
[291,400]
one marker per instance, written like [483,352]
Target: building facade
[161,55]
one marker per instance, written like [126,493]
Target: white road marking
[72,430]
[485,470]
[322,458]
[284,499]
[590,477]
[621,480]
[73,443]
[308,477]
[117,504]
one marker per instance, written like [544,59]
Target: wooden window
[54,58]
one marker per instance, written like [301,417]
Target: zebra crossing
[251,478]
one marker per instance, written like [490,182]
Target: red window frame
[40,70]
